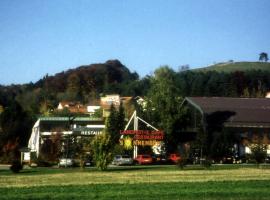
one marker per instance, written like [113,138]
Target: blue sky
[39,37]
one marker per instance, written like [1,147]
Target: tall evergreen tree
[121,118]
[114,123]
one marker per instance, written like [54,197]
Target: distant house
[249,118]
[92,109]
[73,107]
[141,102]
[115,100]
[107,101]
[104,104]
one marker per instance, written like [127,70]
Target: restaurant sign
[144,134]
[140,138]
[85,131]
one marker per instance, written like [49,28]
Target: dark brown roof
[249,112]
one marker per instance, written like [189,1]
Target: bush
[43,163]
[258,152]
[206,163]
[182,163]
[16,166]
[102,149]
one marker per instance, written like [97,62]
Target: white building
[48,126]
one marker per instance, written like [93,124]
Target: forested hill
[231,66]
[89,78]
[84,84]
[88,82]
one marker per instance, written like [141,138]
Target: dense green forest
[20,105]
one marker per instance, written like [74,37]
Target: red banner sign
[144,134]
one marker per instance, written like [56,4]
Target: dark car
[227,160]
[160,159]
[88,162]
[143,159]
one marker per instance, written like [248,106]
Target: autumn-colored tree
[50,149]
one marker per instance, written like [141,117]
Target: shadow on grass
[133,168]
[28,171]
[140,168]
[4,170]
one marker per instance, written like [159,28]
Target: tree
[102,150]
[183,68]
[115,123]
[73,90]
[112,125]
[16,128]
[263,57]
[163,108]
[258,151]
[223,144]
[51,148]
[105,144]
[121,118]
[215,125]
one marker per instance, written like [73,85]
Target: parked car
[227,160]
[160,159]
[143,159]
[122,160]
[88,162]
[65,162]
[174,158]
[267,159]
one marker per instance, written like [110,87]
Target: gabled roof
[249,112]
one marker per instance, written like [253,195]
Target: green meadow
[236,66]
[138,182]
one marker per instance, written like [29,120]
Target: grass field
[149,182]
[236,66]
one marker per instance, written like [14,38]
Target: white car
[65,162]
[122,160]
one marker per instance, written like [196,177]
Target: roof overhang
[249,112]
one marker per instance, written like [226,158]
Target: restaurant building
[45,127]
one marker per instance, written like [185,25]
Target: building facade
[247,118]
[46,127]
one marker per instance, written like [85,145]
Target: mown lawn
[166,182]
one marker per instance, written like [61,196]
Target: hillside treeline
[20,105]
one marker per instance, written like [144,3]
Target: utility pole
[135,150]
[70,123]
